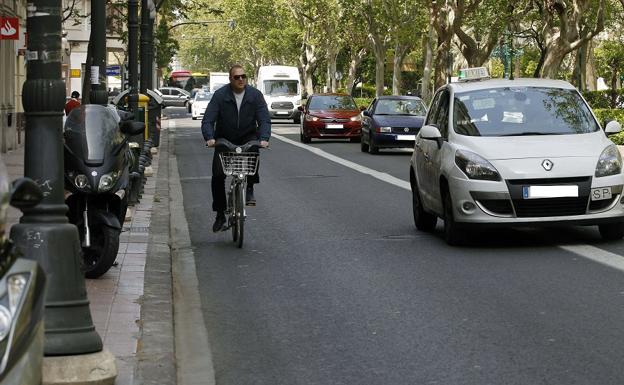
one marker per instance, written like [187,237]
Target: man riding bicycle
[238,113]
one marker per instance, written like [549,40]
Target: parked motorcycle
[97,167]
[22,292]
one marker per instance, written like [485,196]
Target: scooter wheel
[100,257]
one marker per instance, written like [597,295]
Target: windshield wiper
[530,133]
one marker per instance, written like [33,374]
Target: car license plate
[334,126]
[406,137]
[282,113]
[601,193]
[540,192]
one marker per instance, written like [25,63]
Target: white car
[515,152]
[200,102]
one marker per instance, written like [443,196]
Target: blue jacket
[223,120]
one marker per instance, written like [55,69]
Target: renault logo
[547,164]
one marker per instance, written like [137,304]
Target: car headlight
[311,118]
[356,118]
[16,286]
[610,162]
[81,181]
[5,322]
[384,129]
[107,181]
[475,167]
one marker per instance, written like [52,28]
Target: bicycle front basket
[243,163]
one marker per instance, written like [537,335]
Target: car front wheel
[452,233]
[372,148]
[363,146]
[423,220]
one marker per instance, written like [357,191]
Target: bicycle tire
[240,215]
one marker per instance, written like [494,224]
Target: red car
[330,116]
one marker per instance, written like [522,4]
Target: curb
[156,352]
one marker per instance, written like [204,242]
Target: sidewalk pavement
[117,300]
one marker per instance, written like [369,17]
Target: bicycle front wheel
[239,215]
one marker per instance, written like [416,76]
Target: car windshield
[400,107]
[516,111]
[203,96]
[337,102]
[280,87]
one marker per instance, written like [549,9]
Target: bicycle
[237,162]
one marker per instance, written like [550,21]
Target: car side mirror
[25,193]
[132,127]
[366,113]
[301,108]
[613,127]
[430,132]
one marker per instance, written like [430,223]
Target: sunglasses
[239,77]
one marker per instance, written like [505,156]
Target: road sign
[74,73]
[113,70]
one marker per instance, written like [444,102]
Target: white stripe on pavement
[352,165]
[593,253]
[596,254]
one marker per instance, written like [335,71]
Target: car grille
[549,207]
[282,106]
[401,130]
[334,120]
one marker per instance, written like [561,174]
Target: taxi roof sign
[476,73]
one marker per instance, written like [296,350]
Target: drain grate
[136,229]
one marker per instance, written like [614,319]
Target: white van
[218,80]
[281,87]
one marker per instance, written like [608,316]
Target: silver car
[515,152]
[174,97]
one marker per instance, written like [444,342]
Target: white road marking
[592,253]
[352,165]
[596,254]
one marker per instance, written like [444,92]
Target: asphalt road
[334,285]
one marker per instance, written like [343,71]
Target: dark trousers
[219,201]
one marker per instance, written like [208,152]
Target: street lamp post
[133,60]
[98,94]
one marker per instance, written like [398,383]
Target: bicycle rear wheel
[239,216]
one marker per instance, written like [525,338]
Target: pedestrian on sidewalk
[73,102]
[239,114]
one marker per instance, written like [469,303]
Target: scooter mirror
[25,193]
[132,128]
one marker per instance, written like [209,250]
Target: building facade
[12,72]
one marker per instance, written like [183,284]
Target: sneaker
[219,222]
[249,197]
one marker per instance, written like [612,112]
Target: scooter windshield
[91,132]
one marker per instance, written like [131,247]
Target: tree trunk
[553,57]
[354,63]
[441,63]
[380,59]
[331,81]
[425,92]
[399,55]
[590,70]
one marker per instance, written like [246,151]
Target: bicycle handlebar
[224,143]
